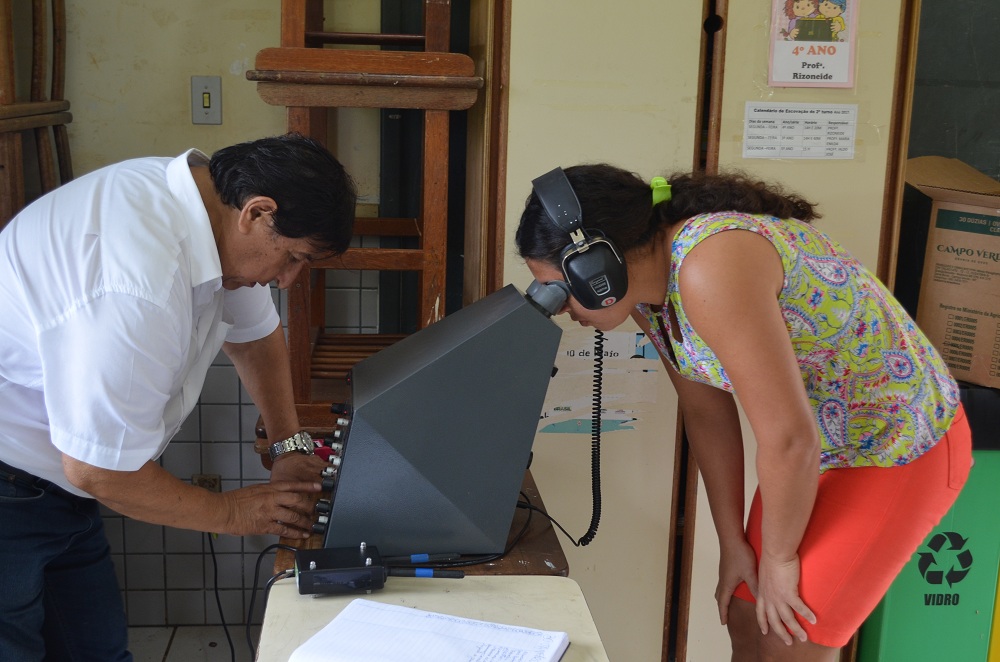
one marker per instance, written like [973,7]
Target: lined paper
[368,631]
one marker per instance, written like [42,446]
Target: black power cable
[218,598]
[253,592]
[476,560]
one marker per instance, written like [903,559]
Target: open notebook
[368,631]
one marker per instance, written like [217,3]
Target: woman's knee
[771,648]
[750,645]
[744,633]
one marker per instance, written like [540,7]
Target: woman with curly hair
[862,445]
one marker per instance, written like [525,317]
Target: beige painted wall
[129,66]
[849,194]
[601,82]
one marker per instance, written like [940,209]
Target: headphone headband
[559,200]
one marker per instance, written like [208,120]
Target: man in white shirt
[117,290]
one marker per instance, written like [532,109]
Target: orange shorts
[865,526]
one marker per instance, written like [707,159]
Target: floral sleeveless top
[882,394]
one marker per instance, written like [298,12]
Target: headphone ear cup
[596,274]
[591,264]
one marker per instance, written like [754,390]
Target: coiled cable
[595,439]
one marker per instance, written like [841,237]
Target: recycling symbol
[955,556]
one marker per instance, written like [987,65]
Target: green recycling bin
[940,607]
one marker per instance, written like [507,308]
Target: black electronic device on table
[437,430]
[339,570]
[361,569]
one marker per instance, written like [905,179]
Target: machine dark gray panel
[441,427]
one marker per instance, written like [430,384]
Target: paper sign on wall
[799,130]
[813,43]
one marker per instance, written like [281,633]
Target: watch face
[304,442]
[300,441]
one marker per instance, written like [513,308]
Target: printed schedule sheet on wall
[799,130]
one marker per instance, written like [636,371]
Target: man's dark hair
[314,194]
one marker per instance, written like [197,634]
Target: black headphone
[592,266]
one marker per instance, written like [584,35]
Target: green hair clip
[661,190]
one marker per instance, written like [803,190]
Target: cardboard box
[959,301]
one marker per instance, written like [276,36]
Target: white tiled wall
[168,575]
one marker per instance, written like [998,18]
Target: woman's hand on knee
[737,564]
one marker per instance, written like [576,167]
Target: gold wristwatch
[300,442]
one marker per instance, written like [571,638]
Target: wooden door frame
[684,494]
[486,166]
[899,141]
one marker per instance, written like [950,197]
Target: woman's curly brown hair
[619,204]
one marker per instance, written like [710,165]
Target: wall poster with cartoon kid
[813,43]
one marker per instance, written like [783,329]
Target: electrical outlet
[211,482]
[206,99]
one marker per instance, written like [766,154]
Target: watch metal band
[300,442]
